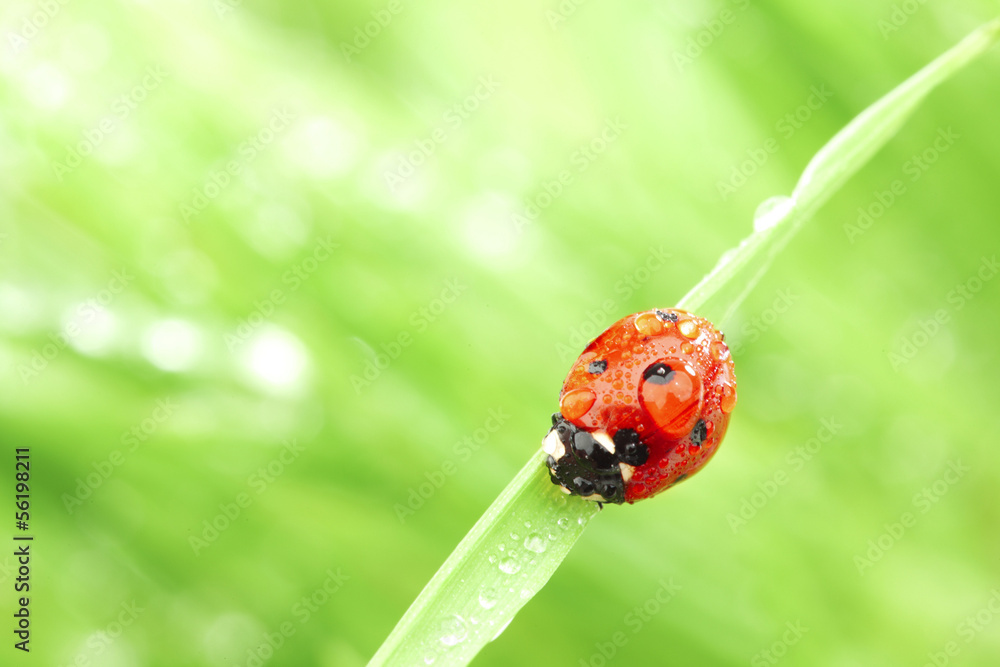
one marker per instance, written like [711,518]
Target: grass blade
[492,574]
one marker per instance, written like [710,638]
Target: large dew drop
[510,566]
[535,543]
[453,630]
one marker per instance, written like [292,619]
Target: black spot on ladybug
[699,433]
[556,418]
[609,490]
[665,316]
[629,449]
[597,367]
[583,486]
[658,373]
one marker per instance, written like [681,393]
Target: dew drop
[515,536]
[510,566]
[454,630]
[429,659]
[671,394]
[719,351]
[525,593]
[648,324]
[488,599]
[563,523]
[535,543]
[575,404]
[727,398]
[527,524]
[687,348]
[689,329]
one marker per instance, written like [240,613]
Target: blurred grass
[496,346]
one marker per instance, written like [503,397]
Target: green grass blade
[491,574]
[516,546]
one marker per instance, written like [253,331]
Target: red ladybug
[644,407]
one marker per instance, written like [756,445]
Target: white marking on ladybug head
[604,441]
[565,490]
[627,471]
[553,445]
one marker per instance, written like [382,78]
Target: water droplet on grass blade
[453,630]
[534,542]
[510,566]
[488,599]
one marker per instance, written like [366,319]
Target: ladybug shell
[644,407]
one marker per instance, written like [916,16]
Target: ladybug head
[592,464]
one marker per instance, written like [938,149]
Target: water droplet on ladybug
[671,394]
[727,398]
[689,329]
[719,351]
[648,324]
[575,404]
[687,348]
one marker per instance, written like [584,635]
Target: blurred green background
[284,306]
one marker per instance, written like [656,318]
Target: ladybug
[643,408]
